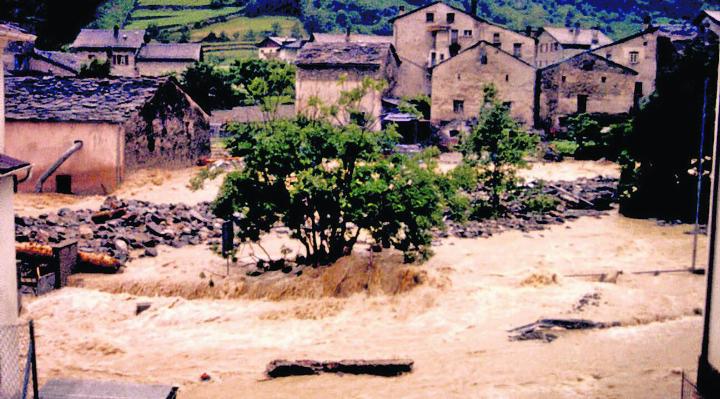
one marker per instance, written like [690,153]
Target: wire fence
[18,371]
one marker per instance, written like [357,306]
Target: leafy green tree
[209,86]
[184,35]
[328,183]
[296,31]
[496,147]
[95,69]
[263,81]
[249,35]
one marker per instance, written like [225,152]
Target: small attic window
[430,17]
[483,57]
[450,17]
[507,78]
[603,79]
[563,79]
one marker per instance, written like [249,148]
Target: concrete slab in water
[85,389]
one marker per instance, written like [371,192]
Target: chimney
[116,32]
[473,7]
[528,31]
[401,10]
[347,34]
[647,22]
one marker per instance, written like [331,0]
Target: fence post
[33,357]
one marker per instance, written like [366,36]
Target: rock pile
[582,197]
[122,226]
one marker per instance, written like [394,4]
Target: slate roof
[345,54]
[13,32]
[105,38]
[570,37]
[354,38]
[54,98]
[277,40]
[490,45]
[590,54]
[10,164]
[67,61]
[170,52]
[249,114]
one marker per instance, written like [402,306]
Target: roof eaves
[590,52]
[651,29]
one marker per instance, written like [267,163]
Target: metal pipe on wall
[77,145]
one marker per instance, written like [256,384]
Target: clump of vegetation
[209,86]
[95,69]
[419,106]
[495,148]
[327,183]
[593,140]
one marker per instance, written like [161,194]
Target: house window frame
[467,33]
[634,57]
[517,50]
[496,39]
[459,106]
[429,17]
[450,17]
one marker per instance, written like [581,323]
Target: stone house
[555,44]
[639,52]
[130,56]
[325,70]
[348,37]
[124,124]
[458,82]
[119,47]
[11,172]
[435,32]
[157,59]
[279,48]
[585,83]
[24,58]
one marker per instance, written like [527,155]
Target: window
[458,106]
[454,133]
[63,184]
[638,89]
[507,105]
[120,59]
[608,56]
[432,58]
[450,17]
[556,46]
[467,33]
[603,79]
[442,57]
[454,36]
[634,57]
[91,56]
[507,78]
[582,103]
[430,17]
[645,43]
[563,79]
[496,39]
[483,57]
[517,49]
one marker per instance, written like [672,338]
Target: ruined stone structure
[431,34]
[556,44]
[585,83]
[457,84]
[125,124]
[325,70]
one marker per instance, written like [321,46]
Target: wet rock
[152,252]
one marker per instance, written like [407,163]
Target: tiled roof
[53,98]
[250,114]
[354,38]
[578,36]
[328,54]
[10,31]
[105,38]
[9,164]
[170,51]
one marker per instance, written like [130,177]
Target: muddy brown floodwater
[453,324]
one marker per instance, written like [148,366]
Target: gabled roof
[489,45]
[277,40]
[105,38]
[54,98]
[577,37]
[647,31]
[354,38]
[10,164]
[170,52]
[69,62]
[345,54]
[714,15]
[9,31]
[592,55]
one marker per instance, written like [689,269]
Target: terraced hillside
[221,24]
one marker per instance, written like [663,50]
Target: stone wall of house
[463,78]
[128,70]
[645,63]
[42,66]
[550,51]
[96,169]
[608,88]
[421,43]
[169,131]
[155,68]
[324,84]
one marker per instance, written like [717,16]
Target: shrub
[564,147]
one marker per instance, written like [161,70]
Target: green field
[242,25]
[178,17]
[174,2]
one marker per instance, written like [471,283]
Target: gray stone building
[555,44]
[458,82]
[124,124]
[325,70]
[585,83]
[435,32]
